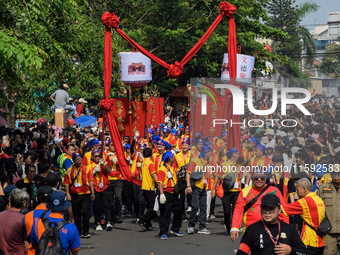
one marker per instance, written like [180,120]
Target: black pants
[103,198]
[138,200]
[212,206]
[229,201]
[172,204]
[116,203]
[149,196]
[182,185]
[81,210]
[127,195]
[315,250]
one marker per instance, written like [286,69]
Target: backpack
[181,175]
[229,181]
[50,243]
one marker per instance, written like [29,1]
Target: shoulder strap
[46,223]
[326,217]
[253,201]
[43,214]
[73,181]
[61,224]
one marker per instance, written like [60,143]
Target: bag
[220,191]
[181,175]
[253,201]
[196,176]
[229,181]
[50,243]
[324,227]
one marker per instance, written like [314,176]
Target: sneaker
[150,228]
[190,230]
[109,227]
[137,221]
[204,231]
[184,219]
[102,222]
[212,217]
[189,209]
[164,237]
[129,214]
[87,235]
[82,236]
[142,225]
[99,227]
[178,233]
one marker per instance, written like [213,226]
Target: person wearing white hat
[80,106]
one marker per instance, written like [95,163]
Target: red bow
[110,20]
[227,9]
[106,104]
[175,70]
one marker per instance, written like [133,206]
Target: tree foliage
[45,43]
[331,62]
[286,16]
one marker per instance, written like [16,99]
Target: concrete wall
[317,85]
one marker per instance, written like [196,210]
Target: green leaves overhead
[44,43]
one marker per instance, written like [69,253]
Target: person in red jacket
[253,214]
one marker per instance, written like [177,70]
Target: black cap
[277,158]
[44,191]
[52,179]
[270,200]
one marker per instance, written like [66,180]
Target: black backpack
[50,243]
[181,175]
[229,181]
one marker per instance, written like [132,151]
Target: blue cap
[167,156]
[58,201]
[164,143]
[9,189]
[155,138]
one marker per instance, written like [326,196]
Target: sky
[319,17]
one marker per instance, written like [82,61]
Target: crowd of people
[282,184]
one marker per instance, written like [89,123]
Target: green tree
[287,17]
[65,43]
[331,62]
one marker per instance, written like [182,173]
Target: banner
[155,110]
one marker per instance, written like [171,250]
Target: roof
[316,62]
[319,30]
[181,91]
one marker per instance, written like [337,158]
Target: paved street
[128,238]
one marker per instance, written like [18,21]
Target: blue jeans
[198,200]
[71,110]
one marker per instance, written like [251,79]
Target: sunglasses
[260,178]
[269,211]
[96,156]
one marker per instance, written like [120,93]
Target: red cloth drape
[234,132]
[106,103]
[175,70]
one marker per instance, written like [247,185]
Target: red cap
[65,140]
[71,122]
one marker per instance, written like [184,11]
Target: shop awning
[181,91]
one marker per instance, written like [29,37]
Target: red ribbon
[227,9]
[175,71]
[106,104]
[110,20]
